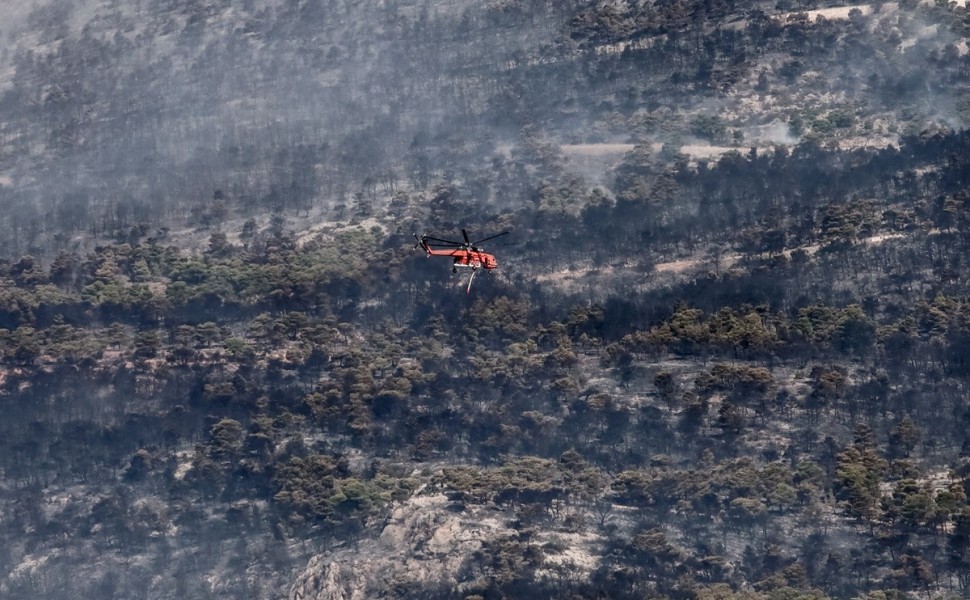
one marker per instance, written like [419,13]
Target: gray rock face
[429,543]
[424,543]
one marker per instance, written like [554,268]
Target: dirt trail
[681,266]
[607,150]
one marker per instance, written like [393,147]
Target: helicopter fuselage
[467,254]
[473,259]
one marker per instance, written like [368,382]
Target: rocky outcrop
[427,543]
[424,543]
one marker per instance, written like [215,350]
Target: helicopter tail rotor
[420,242]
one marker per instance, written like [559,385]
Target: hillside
[725,355]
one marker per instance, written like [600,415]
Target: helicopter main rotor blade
[434,239]
[490,237]
[465,235]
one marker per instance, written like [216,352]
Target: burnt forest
[725,355]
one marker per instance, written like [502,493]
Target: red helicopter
[467,254]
